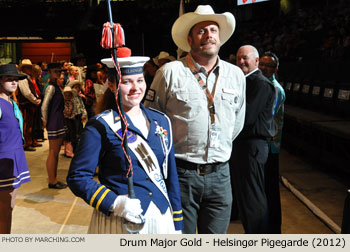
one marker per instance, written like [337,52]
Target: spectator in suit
[250,150]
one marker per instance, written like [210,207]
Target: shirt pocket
[188,104]
[233,100]
[230,105]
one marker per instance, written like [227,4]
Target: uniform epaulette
[103,113]
[162,113]
[155,110]
[169,122]
[106,112]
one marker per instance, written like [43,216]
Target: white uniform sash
[142,151]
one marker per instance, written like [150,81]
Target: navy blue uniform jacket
[100,146]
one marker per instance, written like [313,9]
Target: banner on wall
[245,2]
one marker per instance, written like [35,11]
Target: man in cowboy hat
[204,97]
[162,58]
[28,100]
[80,61]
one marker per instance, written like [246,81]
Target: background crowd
[317,33]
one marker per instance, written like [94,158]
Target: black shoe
[58,185]
[37,145]
[29,148]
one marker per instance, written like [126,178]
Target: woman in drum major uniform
[152,156]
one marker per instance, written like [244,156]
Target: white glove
[127,208]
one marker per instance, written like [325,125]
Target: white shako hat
[129,65]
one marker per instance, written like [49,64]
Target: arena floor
[40,210]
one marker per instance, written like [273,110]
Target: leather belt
[202,169]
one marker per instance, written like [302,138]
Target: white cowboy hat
[67,89]
[25,62]
[163,55]
[71,84]
[184,23]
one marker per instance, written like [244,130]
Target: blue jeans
[206,200]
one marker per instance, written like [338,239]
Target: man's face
[81,62]
[27,69]
[65,65]
[246,60]
[267,66]
[54,74]
[204,39]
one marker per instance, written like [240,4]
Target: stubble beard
[209,54]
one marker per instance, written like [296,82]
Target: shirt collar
[202,69]
[272,78]
[252,72]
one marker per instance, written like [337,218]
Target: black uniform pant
[272,190]
[249,158]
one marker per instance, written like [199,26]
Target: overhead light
[21,38]
[34,38]
[64,38]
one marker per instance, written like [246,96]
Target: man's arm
[157,94]
[240,114]
[23,86]
[257,98]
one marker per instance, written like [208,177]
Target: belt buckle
[199,171]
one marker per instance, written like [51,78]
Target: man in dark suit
[250,150]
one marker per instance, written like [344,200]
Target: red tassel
[106,40]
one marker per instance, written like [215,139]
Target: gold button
[150,194]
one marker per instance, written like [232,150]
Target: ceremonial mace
[131,227]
